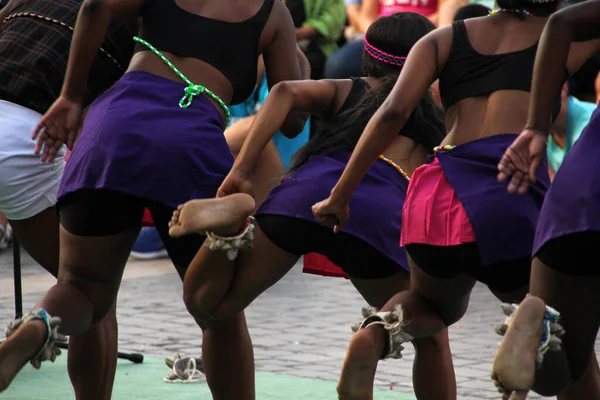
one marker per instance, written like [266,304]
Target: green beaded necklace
[192,89]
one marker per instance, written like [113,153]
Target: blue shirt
[578,117]
[285,146]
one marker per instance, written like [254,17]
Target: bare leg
[577,299]
[433,371]
[214,286]
[88,281]
[269,168]
[92,356]
[430,306]
[228,359]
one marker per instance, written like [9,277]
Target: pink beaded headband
[383,56]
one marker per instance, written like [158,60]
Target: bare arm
[305,96]
[90,30]
[303,62]
[417,75]
[575,23]
[281,63]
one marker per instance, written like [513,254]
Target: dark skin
[222,288]
[575,297]
[433,304]
[279,55]
[91,268]
[92,356]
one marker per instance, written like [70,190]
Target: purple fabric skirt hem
[375,206]
[572,204]
[137,140]
[504,224]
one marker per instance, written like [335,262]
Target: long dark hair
[395,35]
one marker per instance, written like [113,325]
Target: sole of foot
[18,349]
[514,365]
[224,216]
[358,372]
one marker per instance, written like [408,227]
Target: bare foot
[358,372]
[18,349]
[514,365]
[224,216]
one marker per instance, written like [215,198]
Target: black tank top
[230,47]
[469,73]
[359,87]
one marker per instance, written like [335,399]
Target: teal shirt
[285,146]
[488,3]
[578,117]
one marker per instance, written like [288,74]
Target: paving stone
[299,327]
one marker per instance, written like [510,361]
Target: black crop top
[469,73]
[230,47]
[426,139]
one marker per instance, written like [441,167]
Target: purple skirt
[572,204]
[375,206]
[137,140]
[503,223]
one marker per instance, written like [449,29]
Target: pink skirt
[432,213]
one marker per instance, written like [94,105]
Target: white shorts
[27,185]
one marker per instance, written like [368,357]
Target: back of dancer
[35,37]
[563,309]
[284,228]
[153,140]
[460,225]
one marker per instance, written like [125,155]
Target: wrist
[339,195]
[72,97]
[544,130]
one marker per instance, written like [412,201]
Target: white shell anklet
[392,322]
[232,244]
[551,334]
[48,351]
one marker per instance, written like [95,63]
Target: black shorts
[298,236]
[572,254]
[99,212]
[446,262]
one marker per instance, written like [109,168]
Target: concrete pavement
[300,327]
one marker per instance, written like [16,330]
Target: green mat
[144,382]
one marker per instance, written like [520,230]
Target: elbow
[294,124]
[393,114]
[559,22]
[92,7]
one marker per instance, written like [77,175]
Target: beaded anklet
[192,90]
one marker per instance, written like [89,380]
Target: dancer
[568,228]
[155,140]
[459,223]
[219,285]
[35,36]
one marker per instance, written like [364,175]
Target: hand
[330,213]
[522,159]
[58,126]
[235,182]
